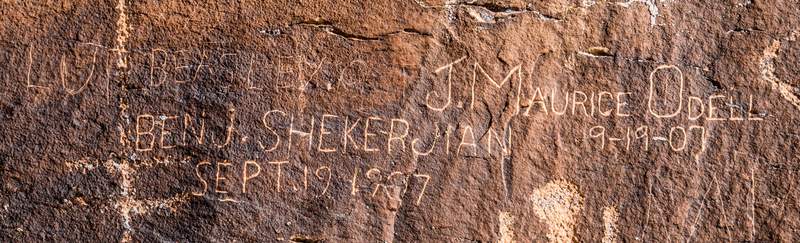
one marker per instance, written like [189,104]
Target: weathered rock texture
[407,121]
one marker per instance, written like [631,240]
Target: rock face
[407,121]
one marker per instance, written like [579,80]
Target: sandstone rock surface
[400,121]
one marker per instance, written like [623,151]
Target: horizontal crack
[331,28]
[416,32]
[501,11]
[496,8]
[742,30]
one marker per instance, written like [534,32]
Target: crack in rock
[741,30]
[486,12]
[492,11]
[332,28]
[596,52]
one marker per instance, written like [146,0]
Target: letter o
[680,93]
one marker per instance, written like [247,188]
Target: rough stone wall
[406,121]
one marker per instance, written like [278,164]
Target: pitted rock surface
[400,121]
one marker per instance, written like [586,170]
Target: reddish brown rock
[419,120]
